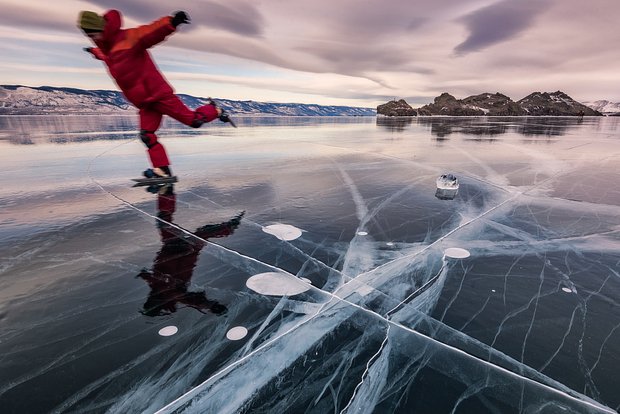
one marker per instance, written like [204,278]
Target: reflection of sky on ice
[386,322]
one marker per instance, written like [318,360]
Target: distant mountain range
[535,104]
[604,107]
[26,100]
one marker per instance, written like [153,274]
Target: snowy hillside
[605,107]
[25,100]
[45,100]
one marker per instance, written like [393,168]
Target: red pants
[150,120]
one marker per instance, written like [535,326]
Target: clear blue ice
[500,298]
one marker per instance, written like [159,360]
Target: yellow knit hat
[90,21]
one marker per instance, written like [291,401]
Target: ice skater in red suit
[125,52]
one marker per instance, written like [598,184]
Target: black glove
[89,50]
[179,17]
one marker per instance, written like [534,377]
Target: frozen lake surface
[309,265]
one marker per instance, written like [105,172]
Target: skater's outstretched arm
[96,52]
[151,34]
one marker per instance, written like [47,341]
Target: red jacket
[125,53]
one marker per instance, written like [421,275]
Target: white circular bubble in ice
[168,330]
[362,233]
[236,333]
[276,284]
[456,253]
[283,231]
[567,290]
[390,244]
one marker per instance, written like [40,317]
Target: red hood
[113,21]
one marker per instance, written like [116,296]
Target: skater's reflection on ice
[174,264]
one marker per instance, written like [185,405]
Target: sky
[337,52]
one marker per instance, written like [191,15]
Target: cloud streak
[499,22]
[233,16]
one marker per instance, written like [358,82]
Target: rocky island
[488,104]
[396,108]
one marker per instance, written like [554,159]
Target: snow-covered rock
[604,107]
[554,104]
